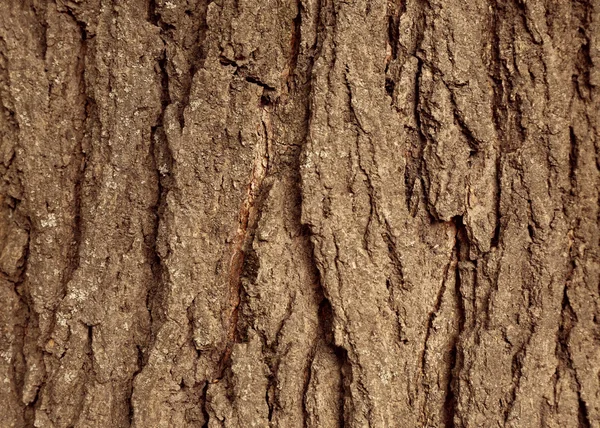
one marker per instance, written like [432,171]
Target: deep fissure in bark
[323,213]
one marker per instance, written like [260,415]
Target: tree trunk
[299,213]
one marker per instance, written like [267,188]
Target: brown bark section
[292,213]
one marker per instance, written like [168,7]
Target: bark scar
[248,219]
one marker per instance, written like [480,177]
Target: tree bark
[299,213]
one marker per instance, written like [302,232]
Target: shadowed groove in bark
[499,110]
[80,158]
[28,313]
[198,55]
[395,9]
[568,320]
[248,220]
[162,163]
[11,201]
[528,52]
[568,317]
[461,254]
[295,45]
[414,166]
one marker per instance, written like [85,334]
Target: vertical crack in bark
[161,163]
[568,316]
[459,252]
[507,109]
[28,313]
[248,219]
[40,10]
[140,366]
[395,10]
[295,46]
[324,17]
[583,12]
[430,319]
[203,406]
[198,56]
[563,354]
[573,159]
[390,240]
[90,117]
[517,374]
[193,51]
[10,175]
[462,250]
[313,350]
[415,168]
[326,319]
[499,111]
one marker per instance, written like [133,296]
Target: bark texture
[299,213]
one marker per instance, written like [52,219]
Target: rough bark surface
[299,213]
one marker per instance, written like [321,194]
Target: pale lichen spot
[50,221]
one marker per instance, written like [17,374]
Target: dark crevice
[40,10]
[390,85]
[193,48]
[461,253]
[28,314]
[517,375]
[313,55]
[517,372]
[582,413]
[161,161]
[248,277]
[196,58]
[568,320]
[326,333]
[204,406]
[31,408]
[583,15]
[295,45]
[25,318]
[451,400]
[160,164]
[269,397]
[140,365]
[223,60]
[255,80]
[311,358]
[90,116]
[345,383]
[353,115]
[472,141]
[499,110]
[243,266]
[395,260]
[573,160]
[90,341]
[506,111]
[415,167]
[531,232]
[325,321]
[433,314]
[272,390]
[395,10]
